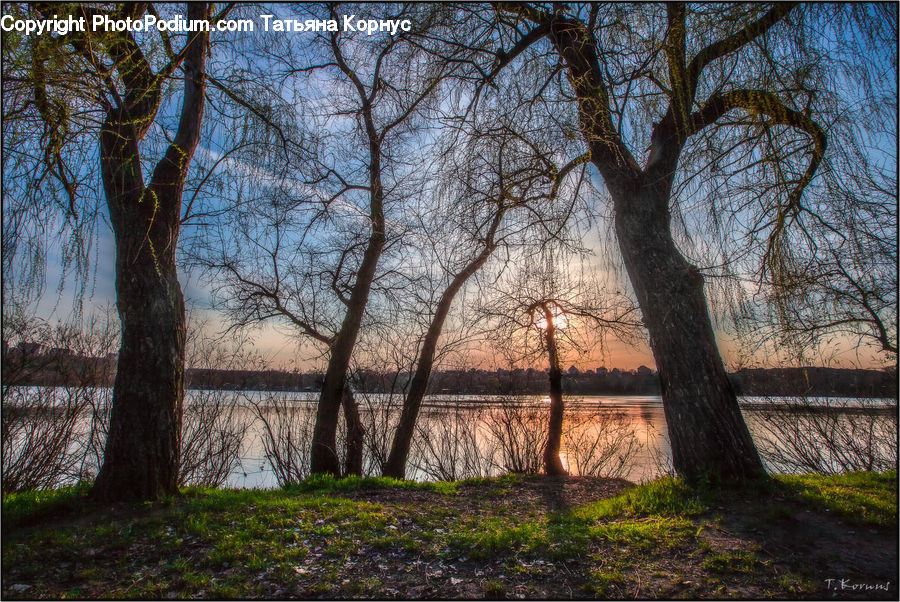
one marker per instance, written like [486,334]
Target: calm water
[637,423]
[466,435]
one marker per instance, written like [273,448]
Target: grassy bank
[506,537]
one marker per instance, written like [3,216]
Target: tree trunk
[353,458]
[396,463]
[552,462]
[323,455]
[141,457]
[708,435]
[709,438]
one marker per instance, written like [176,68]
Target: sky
[283,350]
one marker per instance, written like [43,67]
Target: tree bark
[707,431]
[709,438]
[323,455]
[353,458]
[552,462]
[141,457]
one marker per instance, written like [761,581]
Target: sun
[558,318]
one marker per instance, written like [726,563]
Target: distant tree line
[55,367]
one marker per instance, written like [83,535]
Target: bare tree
[309,251]
[505,185]
[548,306]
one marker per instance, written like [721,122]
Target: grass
[664,497]
[493,538]
[31,506]
[867,498]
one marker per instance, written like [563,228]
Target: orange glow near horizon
[282,352]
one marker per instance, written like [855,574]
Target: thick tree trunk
[552,462]
[354,445]
[708,435]
[141,457]
[707,431]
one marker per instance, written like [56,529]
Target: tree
[547,308]
[310,246]
[506,193]
[644,78]
[126,85]
[549,318]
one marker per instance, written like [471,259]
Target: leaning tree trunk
[396,463]
[707,431]
[552,462]
[708,435]
[323,455]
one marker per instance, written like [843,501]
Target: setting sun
[558,318]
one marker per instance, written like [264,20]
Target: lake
[62,430]
[467,435]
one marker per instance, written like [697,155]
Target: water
[636,424]
[462,436]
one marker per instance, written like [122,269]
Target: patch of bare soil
[842,561]
[527,497]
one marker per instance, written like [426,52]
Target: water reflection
[461,432]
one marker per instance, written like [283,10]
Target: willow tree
[110,85]
[654,87]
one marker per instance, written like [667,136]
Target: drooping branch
[736,41]
[769,106]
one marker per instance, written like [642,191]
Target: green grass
[860,497]
[316,540]
[28,506]
[664,497]
[323,483]
[732,562]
